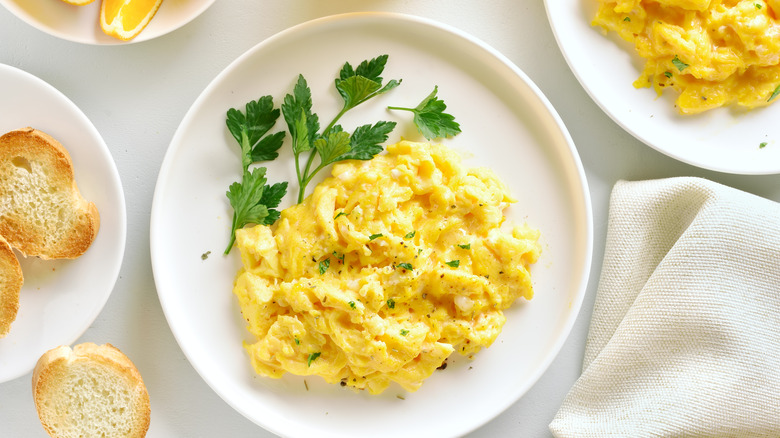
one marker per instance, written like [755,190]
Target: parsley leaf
[253,201]
[679,64]
[404,332]
[374,236]
[410,234]
[330,148]
[302,124]
[312,357]
[762,145]
[391,303]
[453,263]
[248,130]
[465,246]
[366,140]
[357,86]
[430,118]
[352,305]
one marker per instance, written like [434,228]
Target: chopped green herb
[205,255]
[668,74]
[679,64]
[375,236]
[248,130]
[759,5]
[339,215]
[465,246]
[324,265]
[391,303]
[430,118]
[627,19]
[312,357]
[774,94]
[410,234]
[338,256]
[404,332]
[762,145]
[453,263]
[352,305]
[297,341]
[407,266]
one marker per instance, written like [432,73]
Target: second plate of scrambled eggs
[433,270]
[696,80]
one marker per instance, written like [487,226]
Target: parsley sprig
[355,86]
[430,118]
[252,199]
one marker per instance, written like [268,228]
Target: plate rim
[584,193]
[34,23]
[113,274]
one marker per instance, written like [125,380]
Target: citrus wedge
[124,19]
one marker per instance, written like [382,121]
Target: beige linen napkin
[685,333]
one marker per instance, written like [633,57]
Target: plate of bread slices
[62,221]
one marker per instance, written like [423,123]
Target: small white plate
[61,298]
[507,125]
[81,23]
[724,139]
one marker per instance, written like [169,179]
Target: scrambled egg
[386,269]
[713,52]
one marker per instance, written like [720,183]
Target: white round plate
[724,139]
[507,125]
[61,298]
[80,23]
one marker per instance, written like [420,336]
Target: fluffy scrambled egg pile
[386,269]
[713,52]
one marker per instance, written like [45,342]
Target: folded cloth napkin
[685,333]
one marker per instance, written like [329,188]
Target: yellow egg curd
[386,269]
[713,52]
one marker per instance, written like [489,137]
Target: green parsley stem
[298,172]
[232,234]
[400,108]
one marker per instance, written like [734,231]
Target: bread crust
[50,376]
[11,281]
[36,169]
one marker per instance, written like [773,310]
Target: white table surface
[137,94]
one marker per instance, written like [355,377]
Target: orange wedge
[124,19]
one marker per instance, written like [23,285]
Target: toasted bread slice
[10,284]
[90,391]
[42,212]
